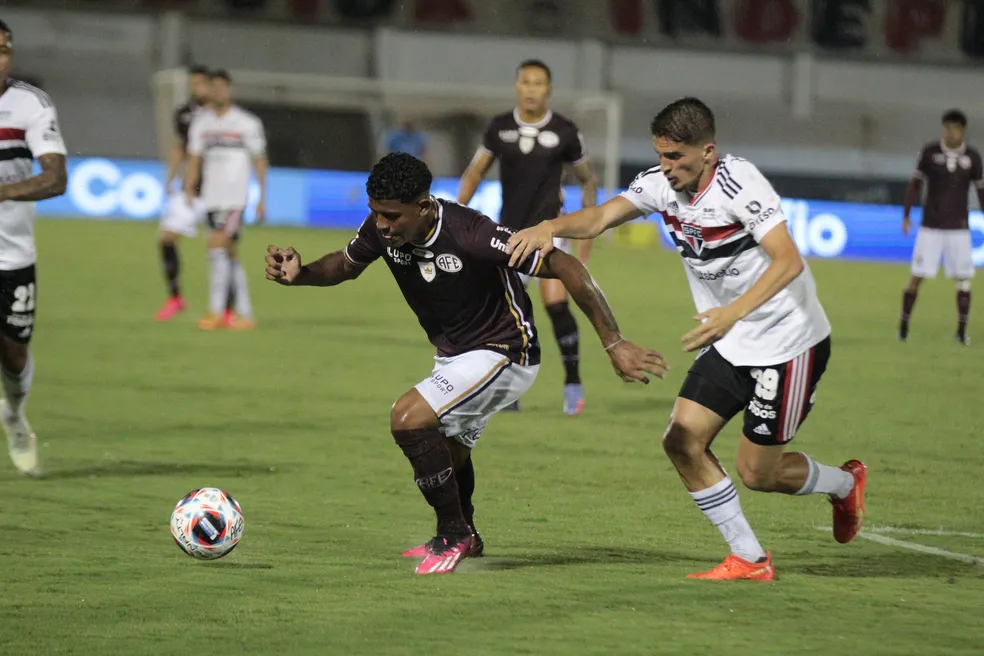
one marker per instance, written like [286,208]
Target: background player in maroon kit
[179,217]
[948,167]
[451,265]
[532,144]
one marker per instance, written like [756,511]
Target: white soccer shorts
[180,218]
[561,244]
[466,390]
[954,246]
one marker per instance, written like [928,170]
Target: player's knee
[963,285]
[13,356]
[411,412]
[680,443]
[755,478]
[169,238]
[914,283]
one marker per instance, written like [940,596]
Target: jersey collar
[539,124]
[436,230]
[953,151]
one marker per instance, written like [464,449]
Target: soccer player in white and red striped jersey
[28,131]
[764,339]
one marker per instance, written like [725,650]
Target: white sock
[244,307]
[218,280]
[721,506]
[16,386]
[824,479]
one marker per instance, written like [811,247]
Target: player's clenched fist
[283,265]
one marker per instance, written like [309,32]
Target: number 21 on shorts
[23,299]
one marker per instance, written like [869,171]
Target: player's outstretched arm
[49,183]
[786,265]
[283,266]
[587,223]
[631,362]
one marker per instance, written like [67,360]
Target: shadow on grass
[884,565]
[134,468]
[582,556]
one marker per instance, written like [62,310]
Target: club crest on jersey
[448,262]
[693,235]
[527,139]
[548,139]
[427,271]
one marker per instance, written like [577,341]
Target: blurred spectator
[407,139]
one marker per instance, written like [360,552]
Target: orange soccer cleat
[735,568]
[849,511]
[210,322]
[239,323]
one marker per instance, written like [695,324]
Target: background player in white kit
[28,131]
[222,143]
[764,337]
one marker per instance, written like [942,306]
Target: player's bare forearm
[589,184]
[911,196]
[585,292]
[174,163]
[472,177]
[468,186]
[261,165]
[192,171]
[332,269]
[51,182]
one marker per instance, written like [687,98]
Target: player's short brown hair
[535,63]
[4,28]
[955,116]
[687,121]
[221,74]
[198,69]
[400,177]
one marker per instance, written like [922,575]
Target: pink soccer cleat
[477,549]
[173,306]
[444,554]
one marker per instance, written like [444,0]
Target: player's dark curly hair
[198,69]
[955,116]
[6,30]
[400,177]
[687,121]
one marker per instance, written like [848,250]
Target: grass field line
[923,531]
[874,534]
[922,548]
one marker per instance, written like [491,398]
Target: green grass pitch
[589,533]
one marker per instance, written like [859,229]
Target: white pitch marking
[923,531]
[922,548]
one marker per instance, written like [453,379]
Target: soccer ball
[207,523]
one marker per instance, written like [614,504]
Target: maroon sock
[433,471]
[963,311]
[908,300]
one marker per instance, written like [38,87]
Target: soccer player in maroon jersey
[948,167]
[180,218]
[450,262]
[532,144]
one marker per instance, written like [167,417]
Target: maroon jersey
[948,175]
[531,162]
[459,284]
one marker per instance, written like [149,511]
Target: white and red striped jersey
[28,129]
[717,233]
[227,144]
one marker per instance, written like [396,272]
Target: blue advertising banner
[134,190]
